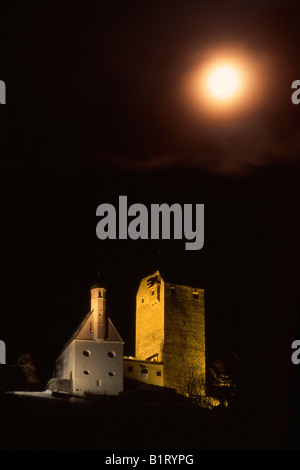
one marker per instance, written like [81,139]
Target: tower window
[195,295]
[86,372]
[99,293]
[111,354]
[158,373]
[130,369]
[111,374]
[143,300]
[172,290]
[99,383]
[152,292]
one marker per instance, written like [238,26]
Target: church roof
[84,332]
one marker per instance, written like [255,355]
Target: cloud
[232,149]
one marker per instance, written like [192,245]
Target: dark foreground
[129,422]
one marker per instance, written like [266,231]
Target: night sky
[96,109]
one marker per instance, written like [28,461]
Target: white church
[92,360]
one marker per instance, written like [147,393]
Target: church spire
[98,306]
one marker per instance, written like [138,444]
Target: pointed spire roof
[98,282]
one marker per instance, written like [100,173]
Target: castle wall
[148,372]
[150,317]
[170,322]
[184,338]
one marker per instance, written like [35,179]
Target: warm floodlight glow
[223,82]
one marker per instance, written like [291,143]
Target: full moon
[223,82]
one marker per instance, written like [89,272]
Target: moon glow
[223,82]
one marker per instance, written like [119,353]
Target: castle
[170,343]
[170,336]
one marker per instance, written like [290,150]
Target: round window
[111,354]
[86,372]
[86,353]
[111,374]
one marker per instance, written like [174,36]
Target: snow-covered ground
[46,394]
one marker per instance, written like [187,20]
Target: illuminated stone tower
[170,336]
[92,360]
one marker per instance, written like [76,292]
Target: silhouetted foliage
[192,384]
[26,364]
[227,378]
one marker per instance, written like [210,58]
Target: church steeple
[98,305]
[92,360]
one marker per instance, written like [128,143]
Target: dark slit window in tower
[195,295]
[99,293]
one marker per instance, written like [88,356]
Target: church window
[111,354]
[86,372]
[99,294]
[195,295]
[86,353]
[99,383]
[143,300]
[158,373]
[111,374]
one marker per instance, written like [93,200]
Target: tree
[227,378]
[192,384]
[26,364]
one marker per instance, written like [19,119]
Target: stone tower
[170,335]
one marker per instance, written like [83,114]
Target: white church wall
[65,363]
